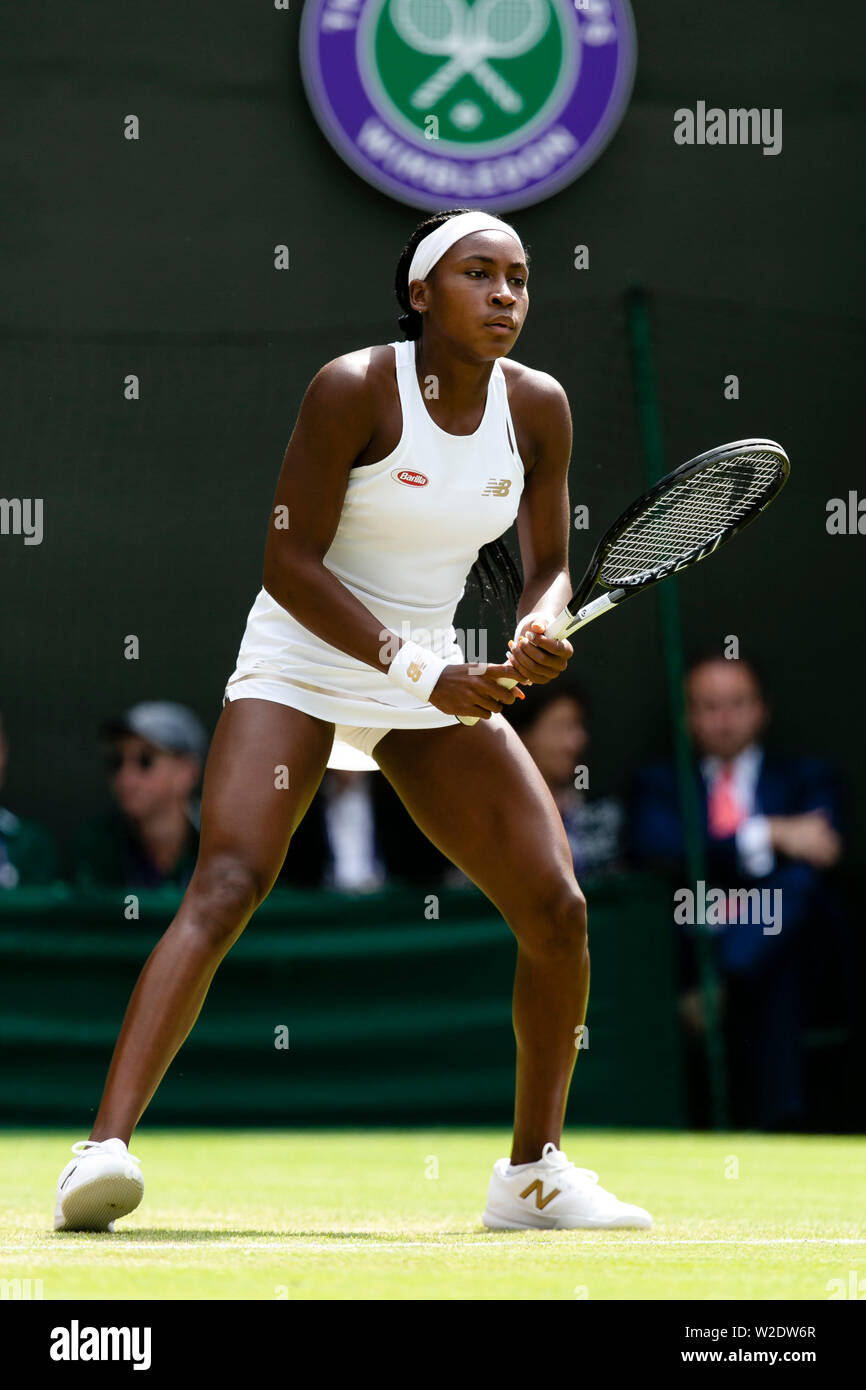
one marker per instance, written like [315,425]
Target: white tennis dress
[409,532]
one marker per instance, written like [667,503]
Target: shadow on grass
[148,1233]
[141,1235]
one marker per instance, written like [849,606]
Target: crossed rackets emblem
[466,36]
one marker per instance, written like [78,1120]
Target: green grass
[354,1215]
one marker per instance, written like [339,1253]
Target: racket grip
[557,628]
[473,718]
[560,625]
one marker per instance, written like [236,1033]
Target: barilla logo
[405,475]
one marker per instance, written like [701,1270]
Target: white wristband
[416,669]
[539,616]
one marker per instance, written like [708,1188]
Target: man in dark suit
[357,837]
[771,824]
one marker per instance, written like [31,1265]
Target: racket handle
[560,625]
[557,628]
[473,718]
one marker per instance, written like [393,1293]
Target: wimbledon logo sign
[495,103]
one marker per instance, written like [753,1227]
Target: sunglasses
[114,761]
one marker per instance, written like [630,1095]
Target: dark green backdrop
[392,1017]
[155,258]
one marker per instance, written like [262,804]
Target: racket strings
[681,521]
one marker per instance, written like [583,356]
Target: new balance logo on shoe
[540,1200]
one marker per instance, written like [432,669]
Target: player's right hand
[473,690]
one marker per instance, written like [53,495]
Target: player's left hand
[538,659]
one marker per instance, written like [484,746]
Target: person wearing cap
[150,837]
[408,463]
[28,852]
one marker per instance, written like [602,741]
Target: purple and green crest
[489,103]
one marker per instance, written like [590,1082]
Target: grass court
[395,1214]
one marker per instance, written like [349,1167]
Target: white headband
[437,242]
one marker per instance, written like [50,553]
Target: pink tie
[724,812]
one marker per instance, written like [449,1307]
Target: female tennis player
[408,462]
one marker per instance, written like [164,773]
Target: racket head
[686,516]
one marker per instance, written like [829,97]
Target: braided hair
[494,571]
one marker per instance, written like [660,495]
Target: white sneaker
[102,1183]
[553,1194]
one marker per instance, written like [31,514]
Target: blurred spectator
[357,836]
[552,722]
[153,756]
[28,854]
[354,864]
[769,823]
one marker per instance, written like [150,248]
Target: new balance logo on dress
[497,487]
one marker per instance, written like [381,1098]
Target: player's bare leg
[246,825]
[478,796]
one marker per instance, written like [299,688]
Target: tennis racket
[682,519]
